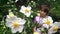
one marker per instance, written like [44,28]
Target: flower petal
[8,16]
[51,30]
[29,8]
[16,0]
[23,9]
[11,19]
[14,30]
[57,24]
[22,22]
[51,23]
[45,26]
[9,24]
[20,29]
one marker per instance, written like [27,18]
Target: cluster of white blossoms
[15,23]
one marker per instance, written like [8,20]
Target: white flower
[54,28]
[16,24]
[48,22]
[26,10]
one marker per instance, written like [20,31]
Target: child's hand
[35,29]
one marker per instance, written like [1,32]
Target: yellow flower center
[48,22]
[55,28]
[26,10]
[35,33]
[16,25]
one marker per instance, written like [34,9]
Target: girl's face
[42,13]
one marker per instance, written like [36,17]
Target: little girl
[43,20]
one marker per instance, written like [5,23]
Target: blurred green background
[6,5]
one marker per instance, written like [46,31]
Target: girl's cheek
[42,13]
